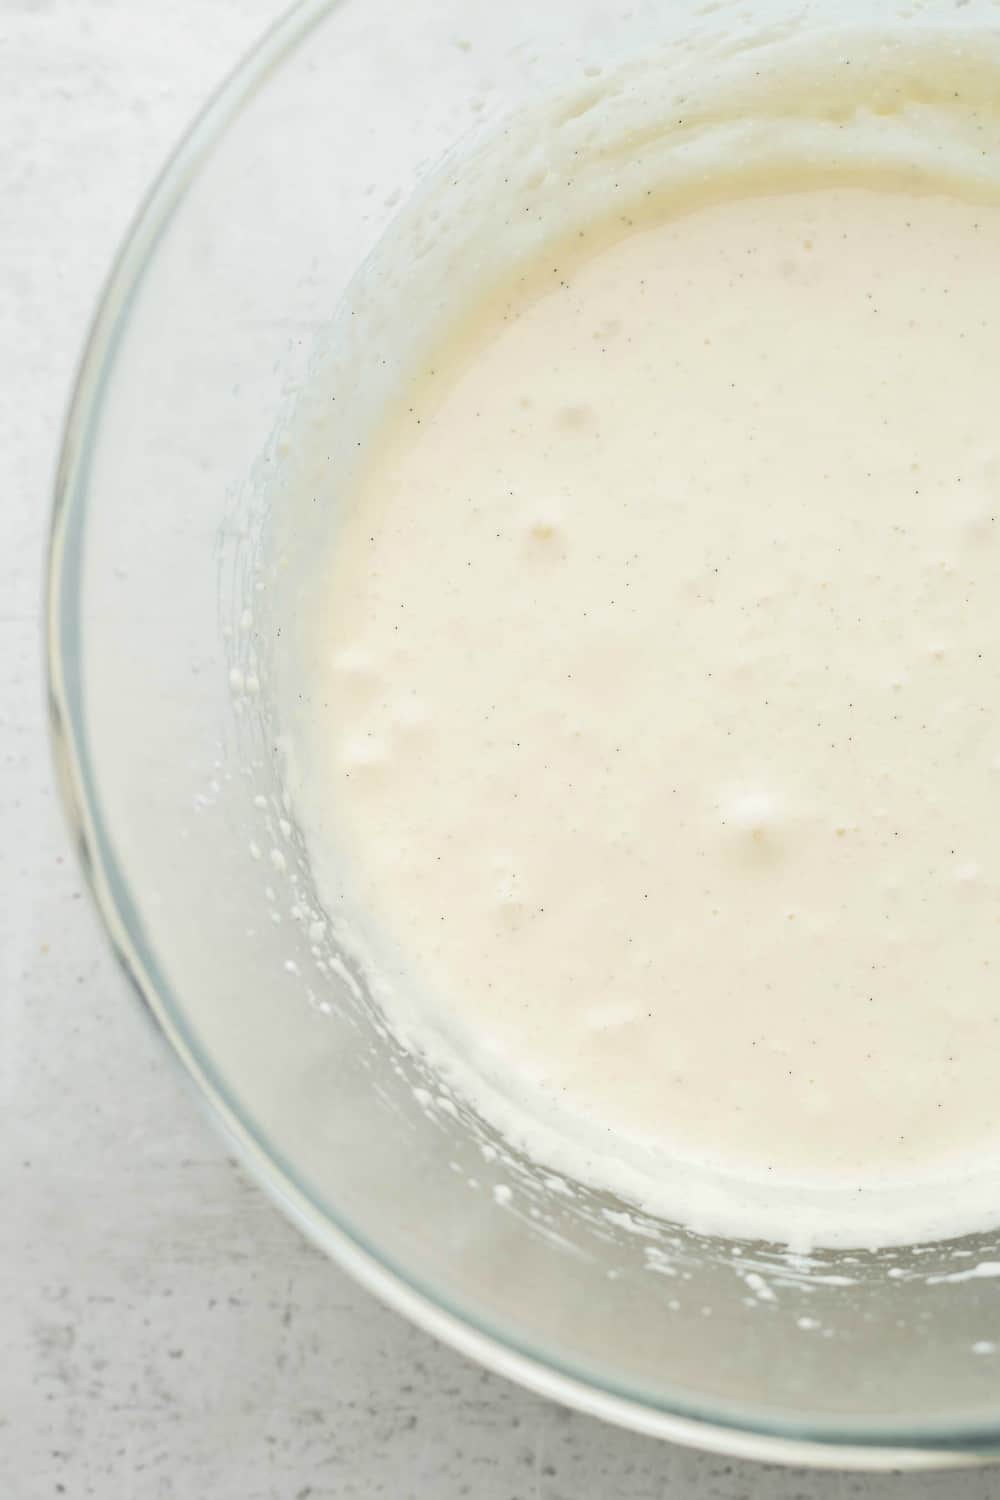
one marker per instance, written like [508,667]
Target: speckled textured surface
[165,1333]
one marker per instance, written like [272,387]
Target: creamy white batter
[652,725]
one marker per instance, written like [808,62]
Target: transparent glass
[240,254]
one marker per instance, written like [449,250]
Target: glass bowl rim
[716,1431]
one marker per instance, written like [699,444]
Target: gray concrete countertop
[165,1334]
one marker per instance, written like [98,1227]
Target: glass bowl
[169,764]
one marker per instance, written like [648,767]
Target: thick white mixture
[652,709]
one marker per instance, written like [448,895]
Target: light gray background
[163,1333]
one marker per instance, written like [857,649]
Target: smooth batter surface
[655,714]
